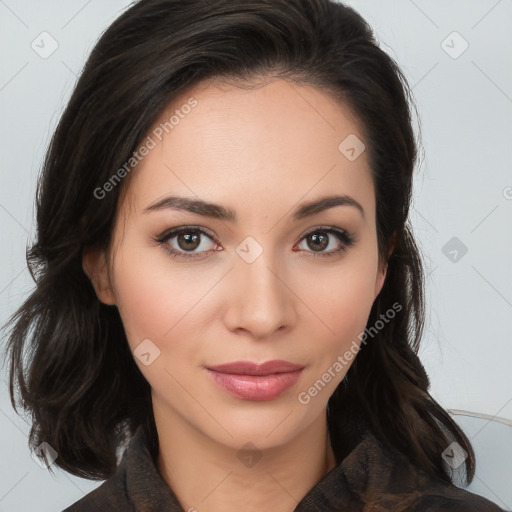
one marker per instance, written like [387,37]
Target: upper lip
[250,368]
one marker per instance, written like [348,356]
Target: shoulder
[457,500]
[135,485]
[384,479]
[433,498]
[110,495]
[113,493]
[396,484]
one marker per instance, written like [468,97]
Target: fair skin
[261,153]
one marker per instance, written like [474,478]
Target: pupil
[189,239]
[323,238]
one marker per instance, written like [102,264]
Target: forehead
[259,147]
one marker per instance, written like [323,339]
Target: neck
[206,474]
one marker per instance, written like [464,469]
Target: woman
[227,283]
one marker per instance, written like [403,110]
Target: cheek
[340,300]
[156,301]
[342,297]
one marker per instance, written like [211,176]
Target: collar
[372,477]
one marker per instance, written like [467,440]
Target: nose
[260,301]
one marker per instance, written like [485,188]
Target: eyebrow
[216,211]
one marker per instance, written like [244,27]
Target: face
[260,285]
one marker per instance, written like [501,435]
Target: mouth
[250,368]
[254,381]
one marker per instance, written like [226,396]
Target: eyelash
[345,237]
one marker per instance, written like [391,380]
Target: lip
[250,368]
[254,381]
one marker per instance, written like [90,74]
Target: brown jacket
[369,479]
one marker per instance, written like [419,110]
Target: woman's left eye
[188,239]
[321,239]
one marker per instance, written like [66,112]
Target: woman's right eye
[185,240]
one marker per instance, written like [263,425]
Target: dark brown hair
[69,358]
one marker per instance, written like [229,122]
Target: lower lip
[255,387]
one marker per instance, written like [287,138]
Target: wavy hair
[70,365]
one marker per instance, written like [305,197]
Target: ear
[383,267]
[381,277]
[94,263]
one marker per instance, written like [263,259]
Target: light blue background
[463,189]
